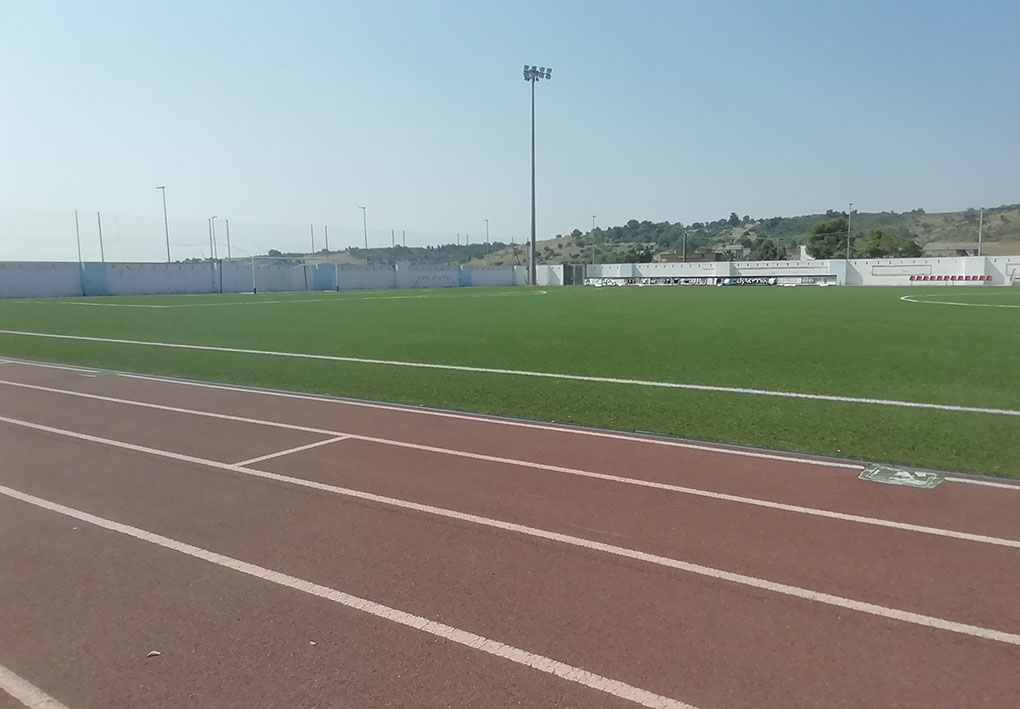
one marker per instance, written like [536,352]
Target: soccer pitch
[785,368]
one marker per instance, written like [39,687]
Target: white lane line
[533,660]
[737,578]
[528,373]
[985,484]
[26,692]
[577,431]
[637,482]
[298,449]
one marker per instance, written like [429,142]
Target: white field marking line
[333,299]
[447,632]
[289,451]
[26,692]
[986,484]
[636,482]
[480,419]
[612,549]
[527,373]
[908,299]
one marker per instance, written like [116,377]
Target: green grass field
[858,342]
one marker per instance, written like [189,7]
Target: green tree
[766,250]
[828,239]
[879,243]
[734,220]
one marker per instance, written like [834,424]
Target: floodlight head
[548,73]
[161,187]
[541,70]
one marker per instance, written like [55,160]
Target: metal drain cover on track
[891,475]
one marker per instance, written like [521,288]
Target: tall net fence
[91,236]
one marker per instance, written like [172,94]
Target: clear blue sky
[299,112]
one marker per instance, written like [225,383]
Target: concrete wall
[549,275]
[959,271]
[488,276]
[39,280]
[30,279]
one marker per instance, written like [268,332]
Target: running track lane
[630,615]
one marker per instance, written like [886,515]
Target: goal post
[293,273]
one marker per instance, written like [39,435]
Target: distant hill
[645,240]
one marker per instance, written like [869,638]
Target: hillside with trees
[873,235]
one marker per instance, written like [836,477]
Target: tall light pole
[533,75]
[364,221]
[99,224]
[488,245]
[77,235]
[227,222]
[166,222]
[212,237]
[849,217]
[981,228]
[593,239]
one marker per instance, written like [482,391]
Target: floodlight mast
[532,75]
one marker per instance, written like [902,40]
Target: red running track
[367,555]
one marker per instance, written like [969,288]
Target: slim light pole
[77,235]
[99,222]
[311,232]
[849,216]
[364,221]
[166,222]
[403,235]
[325,233]
[212,234]
[981,228]
[533,75]
[227,222]
[593,239]
[488,244]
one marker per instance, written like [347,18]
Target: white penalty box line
[637,482]
[528,373]
[580,542]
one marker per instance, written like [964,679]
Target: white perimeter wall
[39,280]
[1004,270]
[28,279]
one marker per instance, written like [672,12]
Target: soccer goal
[294,273]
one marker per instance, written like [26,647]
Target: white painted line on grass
[468,639]
[908,299]
[637,482]
[719,574]
[26,692]
[528,373]
[339,298]
[298,449]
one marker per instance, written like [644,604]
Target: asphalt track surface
[297,551]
